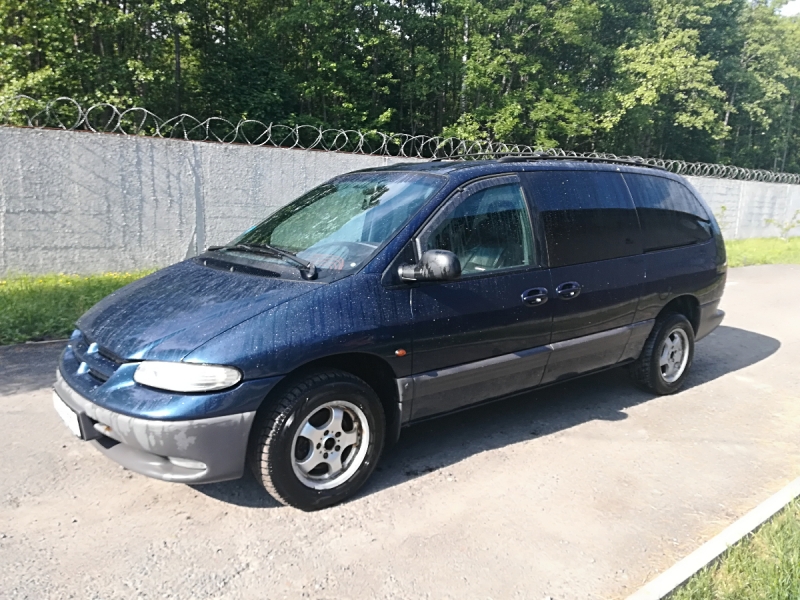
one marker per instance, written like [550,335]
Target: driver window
[488,231]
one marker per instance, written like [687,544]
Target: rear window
[669,213]
[587,216]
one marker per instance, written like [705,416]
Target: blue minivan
[388,296]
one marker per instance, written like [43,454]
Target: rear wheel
[667,355]
[319,441]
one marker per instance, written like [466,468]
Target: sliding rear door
[594,247]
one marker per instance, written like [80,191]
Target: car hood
[166,315]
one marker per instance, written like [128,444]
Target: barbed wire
[68,114]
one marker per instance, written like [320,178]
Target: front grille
[95,360]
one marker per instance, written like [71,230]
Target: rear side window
[669,213]
[587,216]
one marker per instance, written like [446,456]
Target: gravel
[583,490]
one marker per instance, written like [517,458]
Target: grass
[763,251]
[763,566]
[34,308]
[45,307]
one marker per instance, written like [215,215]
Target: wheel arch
[374,370]
[686,305]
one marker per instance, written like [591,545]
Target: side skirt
[536,388]
[453,388]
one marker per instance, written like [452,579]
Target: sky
[791,9]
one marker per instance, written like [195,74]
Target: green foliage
[663,73]
[723,218]
[765,565]
[703,80]
[786,227]
[47,306]
[763,251]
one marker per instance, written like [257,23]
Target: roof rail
[523,157]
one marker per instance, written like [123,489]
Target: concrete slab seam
[680,572]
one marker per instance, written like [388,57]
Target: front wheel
[667,355]
[319,441]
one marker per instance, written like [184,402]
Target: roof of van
[486,167]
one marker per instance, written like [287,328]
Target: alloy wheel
[674,355]
[330,445]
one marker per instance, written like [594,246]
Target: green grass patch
[763,251]
[45,307]
[763,566]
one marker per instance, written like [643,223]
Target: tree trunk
[727,118]
[792,104]
[177,36]
[463,100]
[439,111]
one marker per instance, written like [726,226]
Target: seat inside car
[494,239]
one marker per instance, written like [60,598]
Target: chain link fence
[68,114]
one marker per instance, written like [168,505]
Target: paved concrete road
[580,491]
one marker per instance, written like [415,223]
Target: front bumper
[144,445]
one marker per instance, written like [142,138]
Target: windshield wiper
[307,268]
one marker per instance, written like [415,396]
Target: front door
[484,334]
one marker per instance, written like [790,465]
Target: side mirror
[436,265]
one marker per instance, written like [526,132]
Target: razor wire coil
[68,114]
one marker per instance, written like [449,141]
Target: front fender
[355,314]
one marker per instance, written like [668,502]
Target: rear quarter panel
[689,270]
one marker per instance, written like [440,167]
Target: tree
[708,80]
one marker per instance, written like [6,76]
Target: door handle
[534,296]
[569,290]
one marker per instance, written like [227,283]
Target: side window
[488,230]
[669,213]
[587,216]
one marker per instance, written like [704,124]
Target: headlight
[186,377]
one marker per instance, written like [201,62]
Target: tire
[319,440]
[667,355]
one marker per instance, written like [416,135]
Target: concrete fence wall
[744,207]
[77,202]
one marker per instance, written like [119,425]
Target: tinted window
[669,213]
[587,216]
[489,230]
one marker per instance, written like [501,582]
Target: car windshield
[339,225]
